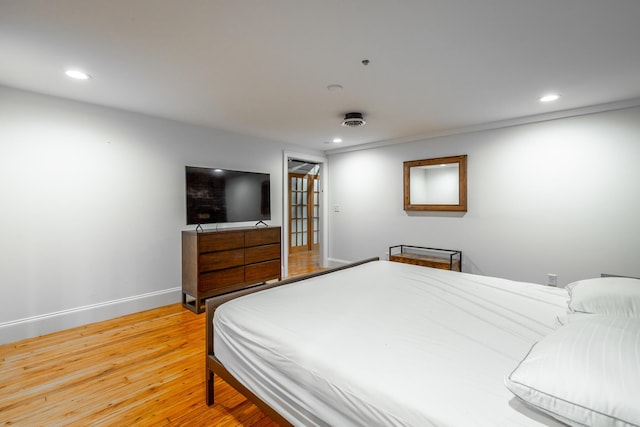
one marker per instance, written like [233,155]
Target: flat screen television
[221,195]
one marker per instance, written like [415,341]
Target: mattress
[388,344]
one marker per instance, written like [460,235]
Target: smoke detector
[353,120]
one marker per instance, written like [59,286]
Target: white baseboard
[334,262]
[42,324]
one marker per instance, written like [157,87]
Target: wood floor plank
[143,369]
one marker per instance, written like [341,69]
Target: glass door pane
[304,197]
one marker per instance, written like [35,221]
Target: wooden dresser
[215,262]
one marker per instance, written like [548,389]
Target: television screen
[221,195]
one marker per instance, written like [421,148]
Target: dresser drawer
[262,271]
[261,253]
[220,241]
[262,236]
[219,260]
[220,278]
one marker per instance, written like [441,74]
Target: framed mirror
[438,184]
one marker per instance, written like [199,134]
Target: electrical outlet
[552,279]
[336,208]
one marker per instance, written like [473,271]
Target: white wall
[561,196]
[92,205]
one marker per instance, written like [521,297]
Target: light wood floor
[303,262]
[144,369]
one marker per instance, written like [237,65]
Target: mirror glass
[438,184]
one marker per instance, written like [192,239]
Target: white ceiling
[262,67]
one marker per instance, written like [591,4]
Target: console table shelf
[444,259]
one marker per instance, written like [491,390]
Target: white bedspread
[387,344]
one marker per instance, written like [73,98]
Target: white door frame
[323,238]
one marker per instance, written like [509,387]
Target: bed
[384,343]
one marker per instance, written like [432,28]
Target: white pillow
[584,373]
[616,296]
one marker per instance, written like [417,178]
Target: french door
[304,224]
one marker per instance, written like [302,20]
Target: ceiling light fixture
[337,140]
[77,74]
[353,120]
[550,97]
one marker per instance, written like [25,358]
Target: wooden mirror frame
[462,184]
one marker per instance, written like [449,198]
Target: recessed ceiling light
[77,74]
[550,97]
[337,140]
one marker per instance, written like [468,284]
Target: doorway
[304,258]
[304,216]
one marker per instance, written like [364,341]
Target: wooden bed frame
[213,365]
